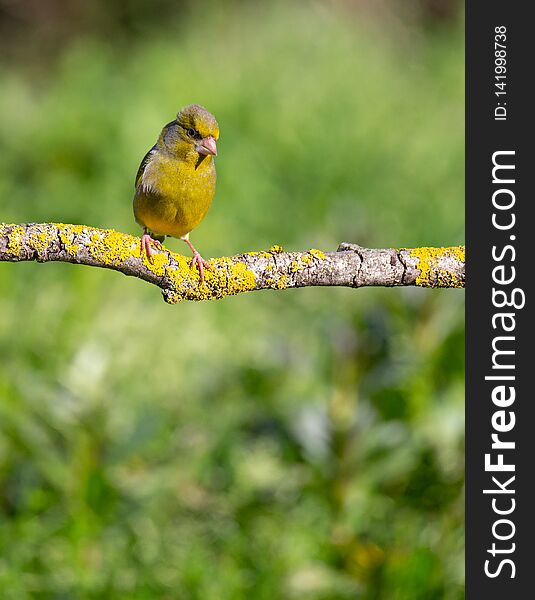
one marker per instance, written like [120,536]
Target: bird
[176,180]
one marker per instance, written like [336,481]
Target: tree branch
[350,266]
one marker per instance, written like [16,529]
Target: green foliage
[297,444]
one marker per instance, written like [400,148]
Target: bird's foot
[201,264]
[197,259]
[146,241]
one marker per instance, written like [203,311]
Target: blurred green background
[295,444]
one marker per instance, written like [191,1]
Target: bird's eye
[192,132]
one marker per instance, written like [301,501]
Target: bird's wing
[143,165]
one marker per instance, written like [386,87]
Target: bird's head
[195,131]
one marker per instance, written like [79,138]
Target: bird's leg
[146,241]
[197,259]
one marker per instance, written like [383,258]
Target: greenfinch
[175,183]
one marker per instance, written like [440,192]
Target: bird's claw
[201,264]
[146,241]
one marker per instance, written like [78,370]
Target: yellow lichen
[14,240]
[311,255]
[281,283]
[317,254]
[304,260]
[276,283]
[296,266]
[223,277]
[157,264]
[39,241]
[111,247]
[241,279]
[432,274]
[172,297]
[67,234]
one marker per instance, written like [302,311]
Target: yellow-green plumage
[176,181]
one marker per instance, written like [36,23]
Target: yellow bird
[175,183]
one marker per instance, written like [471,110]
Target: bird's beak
[207,146]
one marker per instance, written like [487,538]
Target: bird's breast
[173,196]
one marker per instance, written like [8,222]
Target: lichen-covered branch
[350,266]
